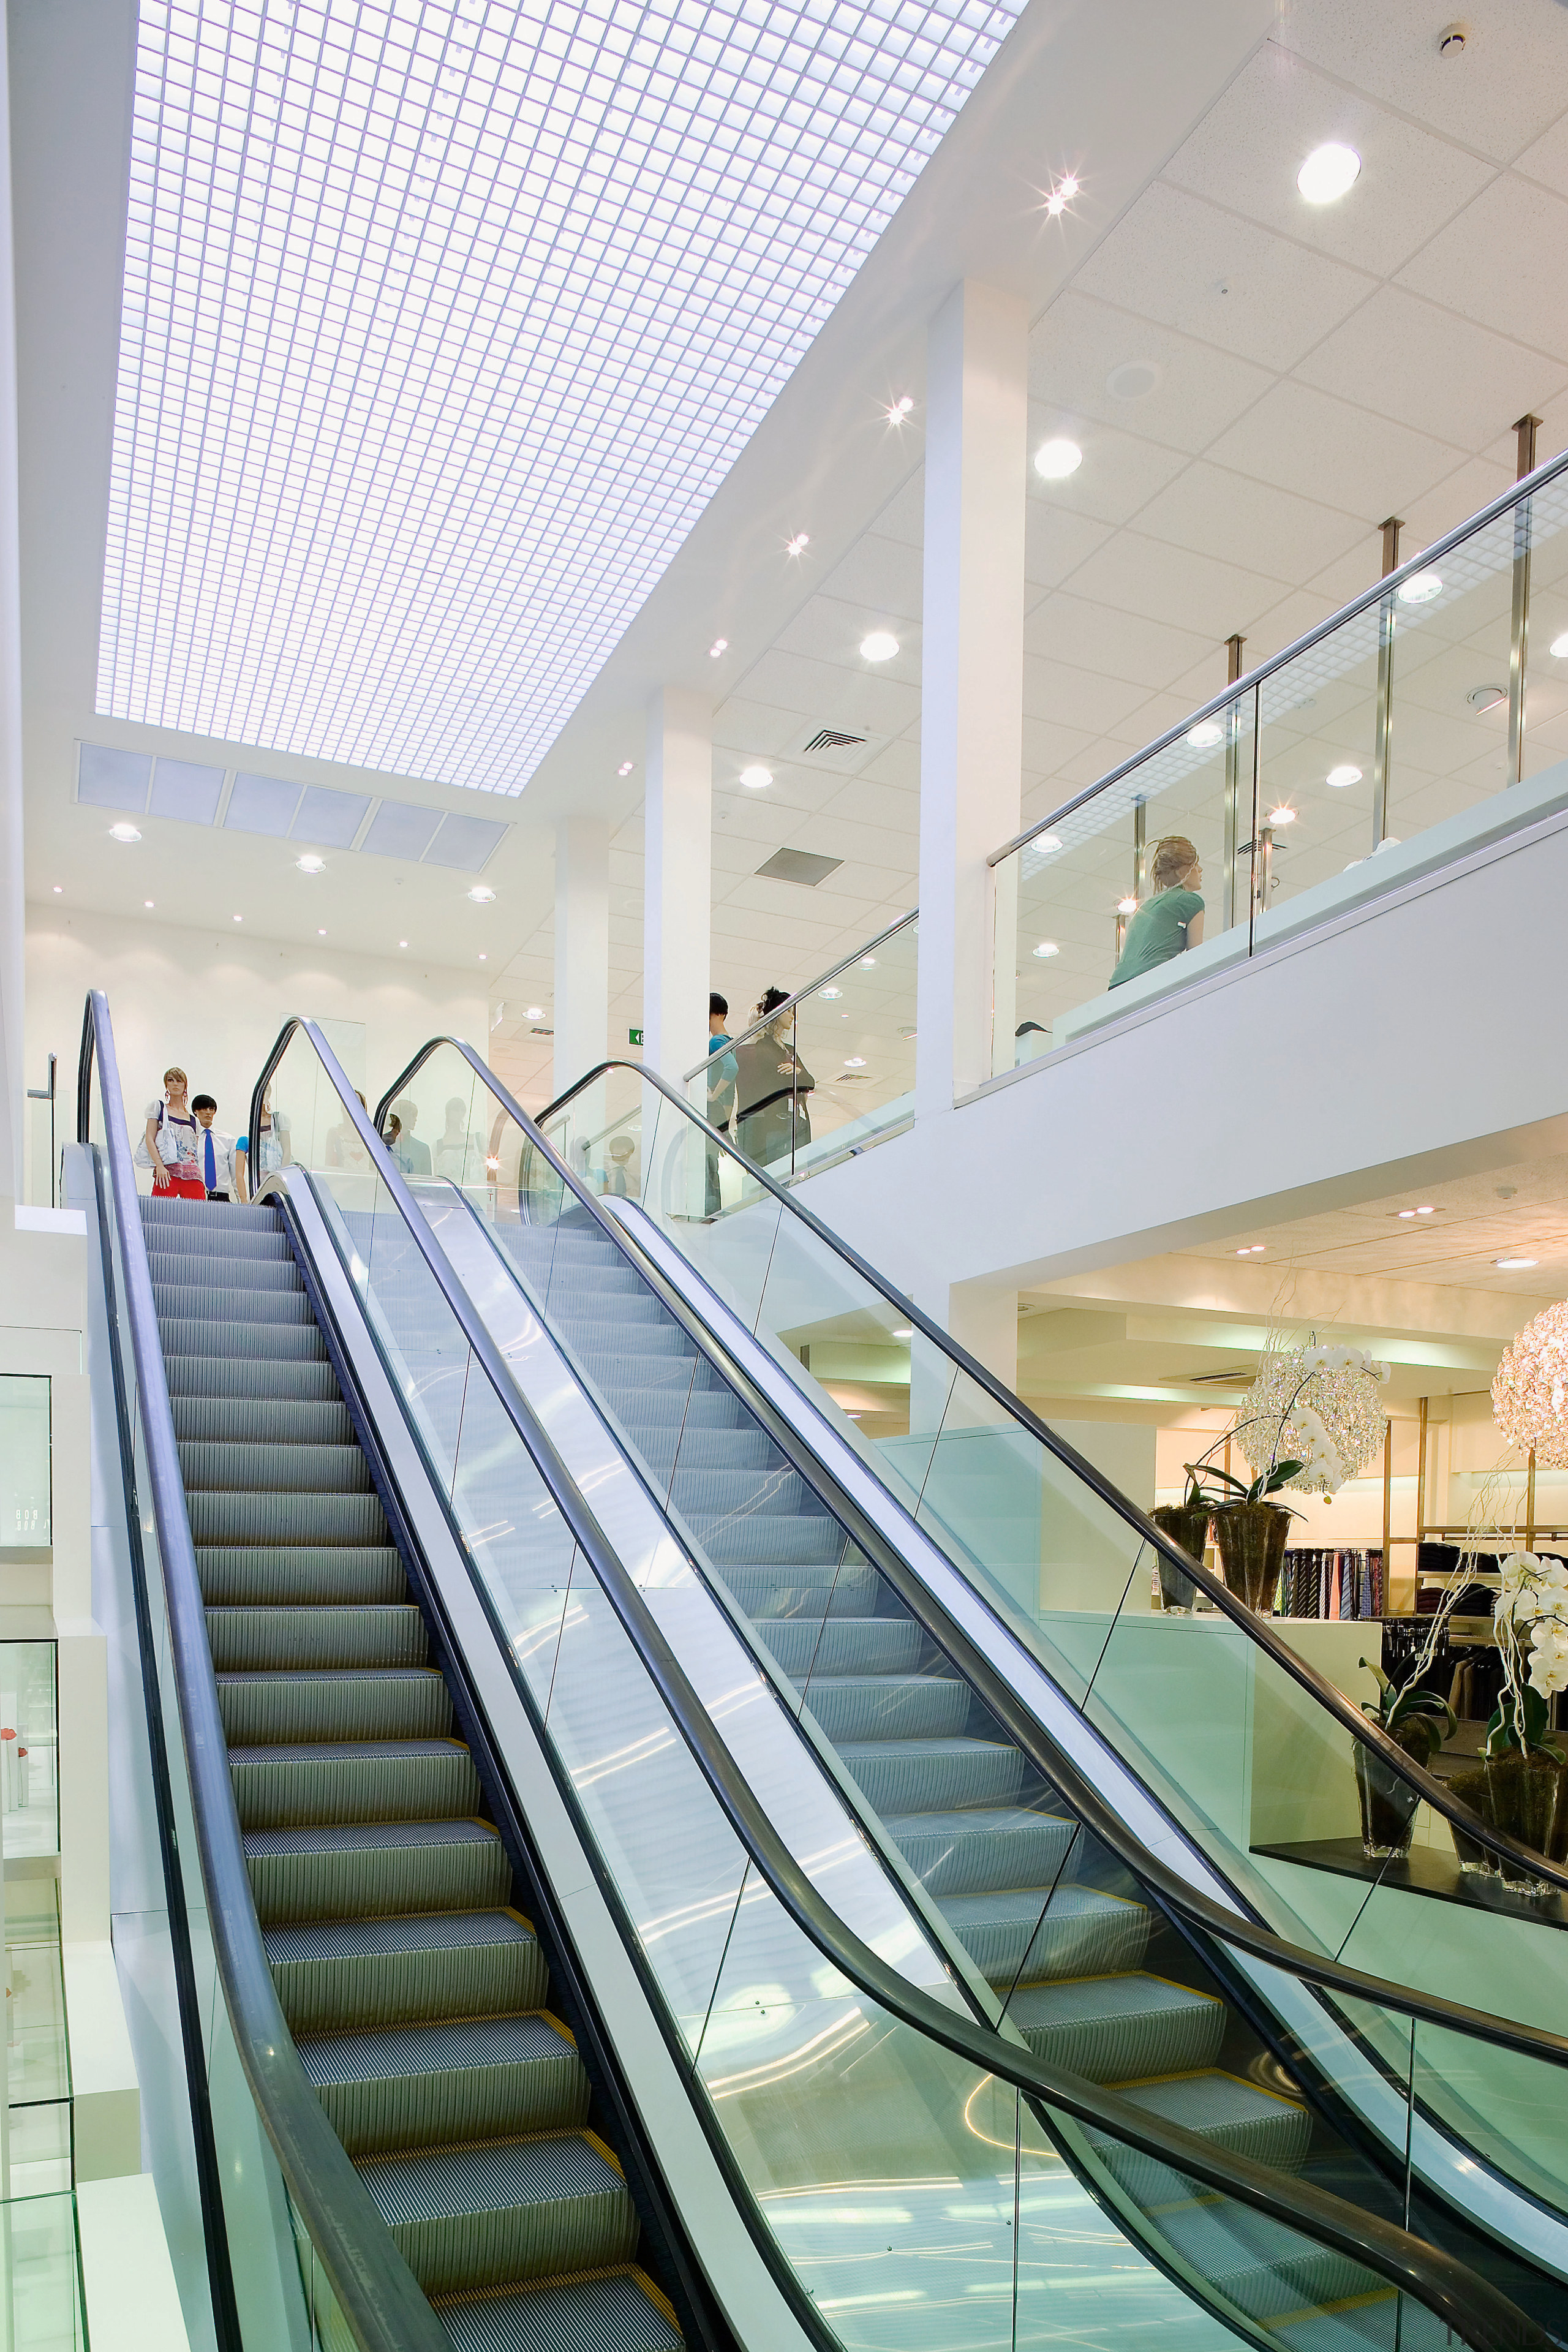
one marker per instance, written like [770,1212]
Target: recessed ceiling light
[905,1334]
[1345,775]
[1421,588]
[1282,816]
[879,647]
[854,1061]
[1046,843]
[402,943]
[756,779]
[1427,1209]
[1558,649]
[1513,1264]
[146,902]
[866,962]
[321,935]
[1406,1212]
[1055,460]
[624,769]
[483,958]
[1257,1249]
[1487,698]
[60,886]
[1127,905]
[1205,734]
[718,646]
[310,863]
[1048,948]
[831,994]
[1328,172]
[798,544]
[533,1012]
[124,832]
[1243,1252]
[239,919]
[481,894]
[900,410]
[1061,195]
[1133,379]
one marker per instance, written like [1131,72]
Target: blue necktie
[212,1165]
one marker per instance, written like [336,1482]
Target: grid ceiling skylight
[442,322]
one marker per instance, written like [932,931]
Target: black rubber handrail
[1258,1629]
[1519,493]
[379,2297]
[1484,2318]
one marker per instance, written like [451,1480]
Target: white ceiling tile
[904,517]
[1118,472]
[1051,751]
[1184,263]
[1495,98]
[897,763]
[1499,261]
[874,803]
[1243,521]
[1056,542]
[879,576]
[828,629]
[1414,361]
[1547,159]
[1249,148]
[1148,577]
[1108,643]
[1070,697]
[1081,344]
[1304,440]
[870,701]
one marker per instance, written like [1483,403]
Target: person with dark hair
[772,1117]
[1172,918]
[214,1151]
[721,1093]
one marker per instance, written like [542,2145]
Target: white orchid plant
[1532,1622]
[1303,1451]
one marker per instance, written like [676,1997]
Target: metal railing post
[1383,733]
[1519,631]
[1233,646]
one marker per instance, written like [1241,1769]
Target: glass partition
[25,1516]
[41,2298]
[29,1760]
[1423,722]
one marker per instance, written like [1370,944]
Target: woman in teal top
[1170,920]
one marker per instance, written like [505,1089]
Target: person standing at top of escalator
[773,1121]
[721,1093]
[1172,918]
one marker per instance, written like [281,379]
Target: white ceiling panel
[1309,443]
[1494,97]
[1405,357]
[1111,643]
[1120,471]
[1081,345]
[1500,262]
[1148,577]
[1238,520]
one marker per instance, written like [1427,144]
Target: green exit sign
[634,1036]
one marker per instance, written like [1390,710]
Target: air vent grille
[828,738]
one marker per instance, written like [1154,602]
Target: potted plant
[1519,1786]
[1416,1721]
[1187,1525]
[1249,1533]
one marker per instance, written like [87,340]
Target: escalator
[571,1994]
[1100,1954]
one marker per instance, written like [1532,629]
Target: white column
[678,881]
[13,1083]
[971,674]
[582,1003]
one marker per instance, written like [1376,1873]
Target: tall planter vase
[1250,1540]
[1388,1804]
[1188,1530]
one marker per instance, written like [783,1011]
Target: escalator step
[337,1975]
[774,1492]
[645,1409]
[341,1782]
[269,1710]
[760,1538]
[619,2311]
[211,1229]
[239,1339]
[281,1575]
[256,1309]
[916,1707]
[192,1270]
[1083,1933]
[784,1589]
[1274,2273]
[689,1447]
[495,2215]
[215,1372]
[982,1850]
[917,1776]
[376,1869]
[261,1421]
[268,1465]
[257,1518]
[844,1645]
[1112,2029]
[255,1640]
[1250,2121]
[601,1336]
[421,2085]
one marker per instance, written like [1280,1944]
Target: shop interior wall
[215,1003]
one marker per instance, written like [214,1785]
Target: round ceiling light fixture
[866,962]
[854,1061]
[1329,172]
[1486,698]
[482,894]
[1558,649]
[624,769]
[1513,1264]
[1342,775]
[533,1012]
[1061,195]
[124,832]
[1421,588]
[1206,735]
[798,544]
[831,994]
[1133,379]
[1047,843]
[1127,905]
[1055,460]
[1046,949]
[756,778]
[881,646]
[1282,816]
[310,863]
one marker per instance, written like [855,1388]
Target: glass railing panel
[1545,529]
[1115,892]
[29,1783]
[855,1035]
[40,2267]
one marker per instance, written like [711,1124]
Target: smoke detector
[1451,40]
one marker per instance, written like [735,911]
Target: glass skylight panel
[442,320]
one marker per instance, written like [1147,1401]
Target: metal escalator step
[269,1465]
[605,1335]
[371,1870]
[642,1376]
[341,1704]
[216,1227]
[198,1271]
[281,1575]
[249,1421]
[1082,1933]
[258,1517]
[692,1447]
[645,1411]
[775,1491]
[241,1338]
[593,1298]
[1114,2028]
[1375,2320]
[258,1640]
[427,2086]
[213,1374]
[888,1707]
[744,1539]
[182,1302]
[336,1975]
[918,1776]
[495,2215]
[1273,2273]
[613,2311]
[803,1589]
[1250,2121]
[984,1850]
[844,1645]
[352,1781]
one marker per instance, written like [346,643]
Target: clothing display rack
[1341,1583]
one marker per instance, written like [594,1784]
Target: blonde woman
[169,1140]
[1172,918]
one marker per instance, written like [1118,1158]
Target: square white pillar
[678,881]
[972,673]
[582,1001]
